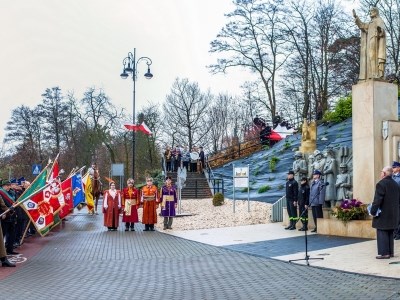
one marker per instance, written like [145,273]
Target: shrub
[281,187]
[341,112]
[263,189]
[245,190]
[287,145]
[272,163]
[218,199]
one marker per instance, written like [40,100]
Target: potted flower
[350,209]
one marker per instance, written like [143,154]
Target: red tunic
[130,203]
[111,206]
[149,200]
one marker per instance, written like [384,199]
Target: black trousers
[9,234]
[292,211]
[303,213]
[317,213]
[384,239]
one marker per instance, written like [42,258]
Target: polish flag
[142,127]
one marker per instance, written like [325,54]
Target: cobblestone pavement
[84,261]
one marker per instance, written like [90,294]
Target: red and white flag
[142,127]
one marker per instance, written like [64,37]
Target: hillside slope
[334,135]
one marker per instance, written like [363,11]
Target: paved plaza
[84,261]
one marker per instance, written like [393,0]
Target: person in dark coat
[304,198]
[387,200]
[292,191]
[317,197]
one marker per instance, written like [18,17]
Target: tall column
[373,102]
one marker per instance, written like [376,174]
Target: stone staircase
[196,186]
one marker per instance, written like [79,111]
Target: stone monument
[374,103]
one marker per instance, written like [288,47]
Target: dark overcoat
[387,199]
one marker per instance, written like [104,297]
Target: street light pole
[130,68]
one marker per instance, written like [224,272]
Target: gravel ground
[202,214]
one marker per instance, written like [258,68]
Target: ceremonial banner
[87,183]
[38,209]
[54,194]
[77,189]
[66,187]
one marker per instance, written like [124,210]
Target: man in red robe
[130,203]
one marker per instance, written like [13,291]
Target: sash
[166,198]
[128,206]
[149,198]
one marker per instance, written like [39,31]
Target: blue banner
[77,189]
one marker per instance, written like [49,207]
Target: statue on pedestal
[308,137]
[373,46]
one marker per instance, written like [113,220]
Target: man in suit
[387,199]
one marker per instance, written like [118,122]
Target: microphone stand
[307,257]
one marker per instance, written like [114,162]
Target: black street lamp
[130,68]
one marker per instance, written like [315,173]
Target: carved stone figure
[319,161]
[343,184]
[299,166]
[329,172]
[308,137]
[310,166]
[373,46]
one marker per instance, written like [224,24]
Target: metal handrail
[277,209]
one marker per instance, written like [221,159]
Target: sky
[77,44]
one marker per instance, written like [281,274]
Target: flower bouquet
[350,209]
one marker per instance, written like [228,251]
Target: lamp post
[130,64]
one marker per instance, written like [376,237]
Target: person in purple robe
[169,201]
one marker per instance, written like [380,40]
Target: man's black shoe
[7,263]
[314,230]
[12,253]
[292,228]
[287,228]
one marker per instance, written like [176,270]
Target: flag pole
[26,230]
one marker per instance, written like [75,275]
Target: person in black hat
[292,190]
[317,197]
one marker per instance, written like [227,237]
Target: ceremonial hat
[317,172]
[291,172]
[5,182]
[395,164]
[21,180]
[303,179]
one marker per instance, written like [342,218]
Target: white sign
[117,170]
[241,177]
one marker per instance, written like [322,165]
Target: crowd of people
[128,200]
[14,221]
[193,160]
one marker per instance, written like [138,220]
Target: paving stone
[84,261]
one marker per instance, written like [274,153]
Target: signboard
[117,170]
[241,177]
[36,169]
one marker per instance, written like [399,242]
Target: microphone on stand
[325,183]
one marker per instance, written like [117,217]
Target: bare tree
[185,111]
[253,40]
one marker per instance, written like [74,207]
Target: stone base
[354,228]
